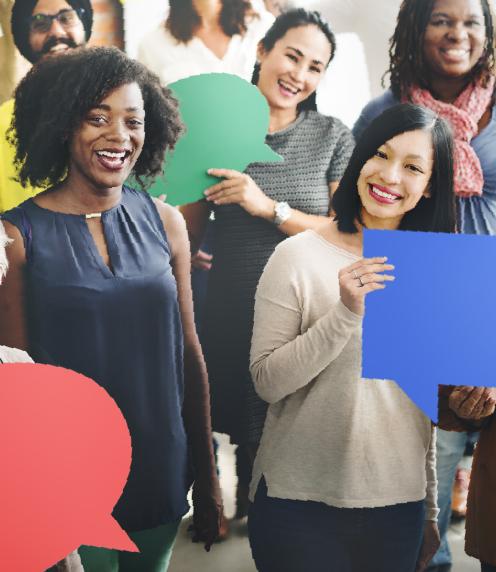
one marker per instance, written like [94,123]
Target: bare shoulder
[174,225]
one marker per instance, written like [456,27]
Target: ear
[261,53]
[427,193]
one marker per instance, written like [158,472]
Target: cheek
[314,81]
[479,41]
[78,35]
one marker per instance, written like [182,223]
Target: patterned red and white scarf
[463,115]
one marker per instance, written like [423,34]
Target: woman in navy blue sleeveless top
[99,282]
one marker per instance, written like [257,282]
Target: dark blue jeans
[298,536]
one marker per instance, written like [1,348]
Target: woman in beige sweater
[345,464]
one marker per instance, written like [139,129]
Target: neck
[375,223]
[79,196]
[281,118]
[209,12]
[447,89]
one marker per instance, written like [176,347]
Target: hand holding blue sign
[434,324]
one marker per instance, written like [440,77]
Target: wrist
[268,212]
[282,212]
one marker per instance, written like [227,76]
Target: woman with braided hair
[442,57]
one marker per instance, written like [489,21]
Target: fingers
[374,277]
[227,197]
[378,260]
[472,402]
[214,190]
[226,173]
[488,409]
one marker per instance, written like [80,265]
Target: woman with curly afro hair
[99,283]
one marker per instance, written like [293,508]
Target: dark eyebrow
[475,16]
[301,54]
[106,107]
[415,157]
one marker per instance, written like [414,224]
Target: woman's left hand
[430,543]
[207,511]
[239,188]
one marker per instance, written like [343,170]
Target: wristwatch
[282,211]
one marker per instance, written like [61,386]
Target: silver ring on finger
[356,277]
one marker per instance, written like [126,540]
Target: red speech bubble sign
[65,457]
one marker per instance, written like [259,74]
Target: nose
[458,32]
[117,132]
[57,30]
[298,73]
[391,173]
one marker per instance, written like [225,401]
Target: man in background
[40,28]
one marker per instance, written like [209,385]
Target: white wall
[363,29]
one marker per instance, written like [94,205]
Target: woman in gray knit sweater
[345,464]
[259,208]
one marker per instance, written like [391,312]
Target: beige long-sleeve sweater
[330,435]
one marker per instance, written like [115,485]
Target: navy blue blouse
[121,328]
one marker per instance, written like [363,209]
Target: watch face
[282,212]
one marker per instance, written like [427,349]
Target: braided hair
[406,57]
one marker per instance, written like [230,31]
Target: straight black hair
[434,214]
[296,18]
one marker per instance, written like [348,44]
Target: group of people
[340,471]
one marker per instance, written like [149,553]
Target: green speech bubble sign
[226,121]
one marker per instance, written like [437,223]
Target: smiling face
[393,181]
[292,69]
[63,34]
[454,37]
[107,144]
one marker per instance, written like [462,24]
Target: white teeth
[384,194]
[112,155]
[456,53]
[288,87]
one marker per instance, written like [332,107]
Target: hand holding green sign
[226,121]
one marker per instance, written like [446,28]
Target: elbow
[262,382]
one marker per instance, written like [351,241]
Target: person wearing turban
[40,28]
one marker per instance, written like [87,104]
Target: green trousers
[155,547]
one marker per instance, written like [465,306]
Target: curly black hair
[406,57]
[183,19]
[57,93]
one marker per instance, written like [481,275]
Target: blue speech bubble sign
[433,324]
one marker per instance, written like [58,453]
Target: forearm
[297,222]
[300,221]
[196,412]
[196,216]
[279,368]
[432,509]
